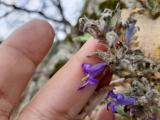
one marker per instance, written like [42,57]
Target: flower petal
[131,100]
[92,71]
[154,117]
[130,32]
[90,81]
[96,69]
[111,94]
[112,105]
[125,100]
[83,85]
[121,99]
[93,81]
[86,67]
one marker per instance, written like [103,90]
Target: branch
[58,4]
[54,2]
[6,14]
[32,11]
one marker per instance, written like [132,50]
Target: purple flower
[154,117]
[112,106]
[111,94]
[125,100]
[91,72]
[120,100]
[89,81]
[130,32]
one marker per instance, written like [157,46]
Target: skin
[59,98]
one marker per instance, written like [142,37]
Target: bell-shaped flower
[92,71]
[119,100]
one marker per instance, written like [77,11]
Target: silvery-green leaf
[115,19]
[121,111]
[83,38]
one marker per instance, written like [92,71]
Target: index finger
[60,98]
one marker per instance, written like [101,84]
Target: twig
[33,11]
[6,14]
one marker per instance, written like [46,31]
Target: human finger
[60,98]
[19,56]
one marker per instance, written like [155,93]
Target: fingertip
[60,96]
[43,27]
[92,45]
[34,39]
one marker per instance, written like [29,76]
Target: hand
[59,99]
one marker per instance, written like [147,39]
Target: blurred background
[62,15]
